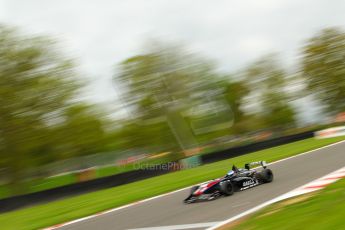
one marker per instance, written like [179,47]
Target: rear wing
[256,163]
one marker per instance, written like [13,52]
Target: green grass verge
[323,211]
[41,184]
[71,208]
[52,182]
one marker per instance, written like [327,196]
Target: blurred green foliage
[267,81]
[40,119]
[323,68]
[164,88]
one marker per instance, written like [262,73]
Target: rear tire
[227,188]
[266,176]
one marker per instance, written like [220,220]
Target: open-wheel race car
[237,179]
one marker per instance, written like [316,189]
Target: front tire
[266,176]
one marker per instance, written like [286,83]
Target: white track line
[310,151]
[179,227]
[169,193]
[317,184]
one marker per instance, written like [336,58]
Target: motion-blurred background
[90,89]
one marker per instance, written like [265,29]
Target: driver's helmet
[231,173]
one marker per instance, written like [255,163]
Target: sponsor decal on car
[247,183]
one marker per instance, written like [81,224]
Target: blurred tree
[323,67]
[36,84]
[277,111]
[164,77]
[153,138]
[267,80]
[163,84]
[234,95]
[82,131]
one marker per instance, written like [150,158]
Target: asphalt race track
[170,211]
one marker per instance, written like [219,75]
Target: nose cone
[198,192]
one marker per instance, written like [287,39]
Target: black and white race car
[237,179]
